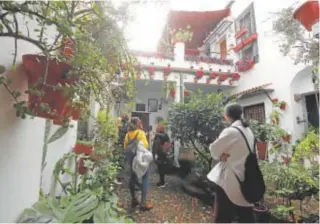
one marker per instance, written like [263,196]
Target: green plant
[84,142]
[184,35]
[261,130]
[198,123]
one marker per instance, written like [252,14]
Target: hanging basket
[70,112]
[55,98]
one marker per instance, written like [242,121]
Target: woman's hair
[124,117]
[160,128]
[234,112]
[135,123]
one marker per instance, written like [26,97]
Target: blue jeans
[145,184]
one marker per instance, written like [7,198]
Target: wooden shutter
[223,49]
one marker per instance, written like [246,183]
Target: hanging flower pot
[223,77]
[199,73]
[186,93]
[235,76]
[241,32]
[52,101]
[308,14]
[83,147]
[262,150]
[173,92]
[151,69]
[213,75]
[275,100]
[69,48]
[283,105]
[287,138]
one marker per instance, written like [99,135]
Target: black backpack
[253,186]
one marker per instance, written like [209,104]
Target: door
[223,49]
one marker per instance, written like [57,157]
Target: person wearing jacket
[231,149]
[135,130]
[159,155]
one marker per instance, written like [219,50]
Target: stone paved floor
[170,204]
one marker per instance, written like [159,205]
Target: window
[254,112]
[247,20]
[140,107]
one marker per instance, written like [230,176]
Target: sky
[145,30]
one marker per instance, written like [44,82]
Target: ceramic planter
[55,98]
[262,150]
[81,148]
[287,138]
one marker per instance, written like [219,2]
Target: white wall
[21,143]
[272,67]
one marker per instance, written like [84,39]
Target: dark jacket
[159,140]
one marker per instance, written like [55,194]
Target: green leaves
[58,134]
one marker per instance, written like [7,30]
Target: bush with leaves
[198,123]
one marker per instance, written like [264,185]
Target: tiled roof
[252,90]
[201,23]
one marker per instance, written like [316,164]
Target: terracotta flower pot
[81,148]
[173,93]
[262,150]
[287,138]
[283,106]
[57,74]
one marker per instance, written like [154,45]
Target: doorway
[312,110]
[144,117]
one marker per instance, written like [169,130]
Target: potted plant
[83,147]
[47,98]
[262,132]
[274,116]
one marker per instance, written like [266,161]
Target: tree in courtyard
[197,123]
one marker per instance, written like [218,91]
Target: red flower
[167,70]
[235,76]
[173,92]
[151,69]
[186,93]
[199,74]
[223,77]
[213,75]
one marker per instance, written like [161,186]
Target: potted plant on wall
[275,116]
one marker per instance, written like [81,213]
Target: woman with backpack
[161,144]
[232,151]
[136,136]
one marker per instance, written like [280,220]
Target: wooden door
[223,49]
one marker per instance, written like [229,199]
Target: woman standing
[232,150]
[161,140]
[136,134]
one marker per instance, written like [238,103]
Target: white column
[179,50]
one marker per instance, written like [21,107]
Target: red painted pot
[55,99]
[262,150]
[287,138]
[283,106]
[85,149]
[173,93]
[73,112]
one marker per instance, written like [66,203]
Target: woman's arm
[222,144]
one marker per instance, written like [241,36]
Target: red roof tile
[201,23]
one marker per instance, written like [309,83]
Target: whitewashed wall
[272,67]
[21,143]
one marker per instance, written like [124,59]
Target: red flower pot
[173,93]
[241,32]
[55,99]
[186,93]
[307,14]
[283,106]
[287,138]
[167,70]
[223,77]
[199,74]
[262,150]
[81,148]
[73,112]
[151,69]
[213,75]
